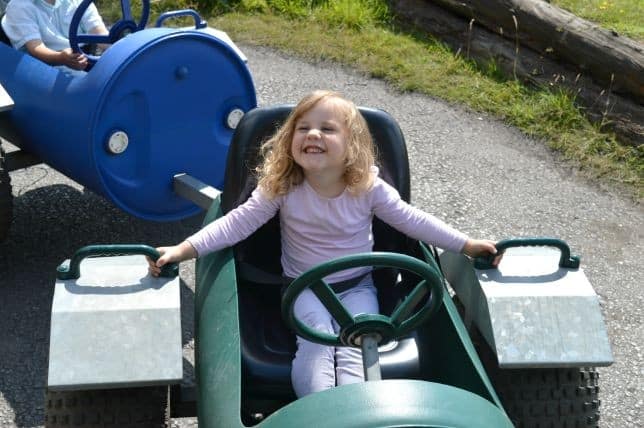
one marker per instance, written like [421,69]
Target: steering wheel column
[370,356]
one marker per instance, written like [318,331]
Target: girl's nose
[313,134]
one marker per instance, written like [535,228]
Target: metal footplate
[6,102]
[112,324]
[536,309]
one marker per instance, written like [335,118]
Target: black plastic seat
[3,36]
[267,345]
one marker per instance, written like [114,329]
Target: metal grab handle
[565,261]
[71,269]
[199,23]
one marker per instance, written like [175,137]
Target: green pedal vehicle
[457,343]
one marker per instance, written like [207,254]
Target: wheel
[6,198]
[145,407]
[557,397]
[543,397]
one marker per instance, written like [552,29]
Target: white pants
[319,367]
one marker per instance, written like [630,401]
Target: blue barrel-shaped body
[170,92]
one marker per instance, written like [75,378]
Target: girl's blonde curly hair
[278,172]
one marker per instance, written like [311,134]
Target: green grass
[359,33]
[624,16]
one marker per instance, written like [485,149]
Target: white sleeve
[91,19]
[20,24]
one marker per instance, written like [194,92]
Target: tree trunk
[600,104]
[615,62]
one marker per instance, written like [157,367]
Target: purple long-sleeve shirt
[316,229]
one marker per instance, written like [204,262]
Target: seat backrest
[267,347]
[262,249]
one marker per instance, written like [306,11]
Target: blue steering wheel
[120,29]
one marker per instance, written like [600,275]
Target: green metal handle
[71,269]
[565,261]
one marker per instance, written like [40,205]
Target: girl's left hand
[481,247]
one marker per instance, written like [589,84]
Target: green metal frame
[460,394]
[456,360]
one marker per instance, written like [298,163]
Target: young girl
[319,173]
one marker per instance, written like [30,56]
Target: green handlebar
[71,270]
[565,261]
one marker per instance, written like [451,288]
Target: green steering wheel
[352,328]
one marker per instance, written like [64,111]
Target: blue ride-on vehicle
[158,102]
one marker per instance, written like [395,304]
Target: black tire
[145,407]
[557,397]
[6,198]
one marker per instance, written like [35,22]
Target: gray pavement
[480,175]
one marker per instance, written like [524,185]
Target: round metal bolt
[234,117]
[118,142]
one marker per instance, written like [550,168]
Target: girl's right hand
[176,253]
[154,267]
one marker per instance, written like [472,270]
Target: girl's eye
[327,129]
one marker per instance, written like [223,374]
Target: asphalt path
[485,178]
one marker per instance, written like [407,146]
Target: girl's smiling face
[324,141]
[319,143]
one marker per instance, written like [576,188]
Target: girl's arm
[235,226]
[389,207]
